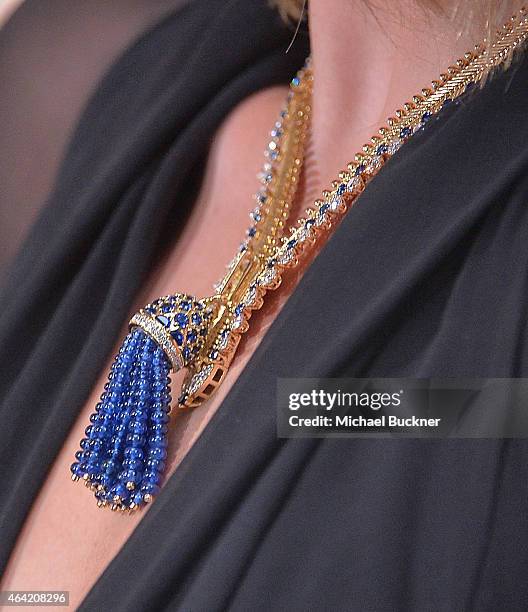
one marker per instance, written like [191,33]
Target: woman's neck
[368,60]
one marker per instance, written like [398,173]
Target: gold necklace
[267,254]
[122,457]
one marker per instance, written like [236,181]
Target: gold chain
[270,248]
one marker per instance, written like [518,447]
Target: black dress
[426,276]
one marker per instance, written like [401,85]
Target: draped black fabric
[426,276]
[52,56]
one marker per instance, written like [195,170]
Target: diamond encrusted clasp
[187,330]
[179,324]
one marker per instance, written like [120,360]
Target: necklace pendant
[122,458]
[194,335]
[179,324]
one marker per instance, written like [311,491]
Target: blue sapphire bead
[132,464]
[153,478]
[130,476]
[95,445]
[155,464]
[138,428]
[119,490]
[150,489]
[137,498]
[93,469]
[157,453]
[160,417]
[159,428]
[134,453]
[77,469]
[157,441]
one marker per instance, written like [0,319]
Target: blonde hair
[492,13]
[289,9]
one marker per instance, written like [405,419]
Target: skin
[7,8]
[381,63]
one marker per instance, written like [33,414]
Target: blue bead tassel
[123,454]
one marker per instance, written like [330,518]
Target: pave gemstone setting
[169,321]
